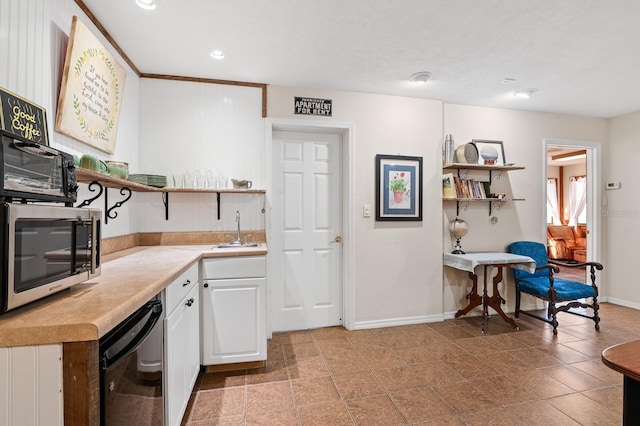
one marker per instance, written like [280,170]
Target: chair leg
[596,317]
[552,311]
[553,317]
[517,313]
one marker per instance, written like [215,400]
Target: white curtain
[577,198]
[553,212]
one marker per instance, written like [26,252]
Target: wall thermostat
[613,185]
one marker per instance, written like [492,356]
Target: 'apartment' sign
[312,106]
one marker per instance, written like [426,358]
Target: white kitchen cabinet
[181,344]
[233,310]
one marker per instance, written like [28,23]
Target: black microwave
[34,172]
[46,249]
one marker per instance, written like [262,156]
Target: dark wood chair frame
[551,299]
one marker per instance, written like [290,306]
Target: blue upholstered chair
[542,284]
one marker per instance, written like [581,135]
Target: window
[553,212]
[577,200]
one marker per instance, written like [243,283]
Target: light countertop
[87,311]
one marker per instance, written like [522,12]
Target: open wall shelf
[99,182]
[462,169]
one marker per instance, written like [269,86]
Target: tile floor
[428,374]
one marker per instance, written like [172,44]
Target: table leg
[630,398]
[495,301]
[485,299]
[473,297]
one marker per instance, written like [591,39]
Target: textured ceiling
[582,56]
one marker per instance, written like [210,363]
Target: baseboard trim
[249,365]
[621,302]
[395,322]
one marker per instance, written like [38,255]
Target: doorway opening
[572,182]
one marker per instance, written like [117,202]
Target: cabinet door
[192,347]
[181,356]
[233,321]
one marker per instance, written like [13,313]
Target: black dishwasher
[131,369]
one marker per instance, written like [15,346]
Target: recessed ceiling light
[217,54]
[420,77]
[524,94]
[146,4]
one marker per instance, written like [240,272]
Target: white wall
[522,134]
[398,271]
[33,39]
[398,265]
[621,210]
[203,128]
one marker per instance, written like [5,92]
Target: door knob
[337,239]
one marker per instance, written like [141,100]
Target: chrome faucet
[239,240]
[238,221]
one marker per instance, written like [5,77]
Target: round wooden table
[625,358]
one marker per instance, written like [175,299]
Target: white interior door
[306,247]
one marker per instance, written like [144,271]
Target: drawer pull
[189,302]
[186,283]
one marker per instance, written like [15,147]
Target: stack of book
[453,187]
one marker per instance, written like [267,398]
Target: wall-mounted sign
[91,92]
[312,106]
[23,118]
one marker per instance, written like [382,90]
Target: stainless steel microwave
[46,249]
[34,172]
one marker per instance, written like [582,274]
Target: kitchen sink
[232,245]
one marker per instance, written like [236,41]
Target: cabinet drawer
[234,267]
[180,287]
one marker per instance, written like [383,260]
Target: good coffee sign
[312,106]
[23,118]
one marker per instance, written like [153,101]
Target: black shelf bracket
[110,212]
[465,206]
[499,204]
[92,188]
[165,201]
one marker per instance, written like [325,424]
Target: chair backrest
[534,250]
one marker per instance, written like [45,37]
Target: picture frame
[493,152]
[91,91]
[398,188]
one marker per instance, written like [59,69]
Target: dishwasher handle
[154,307]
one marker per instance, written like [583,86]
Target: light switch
[613,185]
[366,210]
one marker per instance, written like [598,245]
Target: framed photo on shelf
[490,153]
[398,188]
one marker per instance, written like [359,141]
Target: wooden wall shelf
[99,182]
[493,202]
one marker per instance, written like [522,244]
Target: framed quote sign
[91,91]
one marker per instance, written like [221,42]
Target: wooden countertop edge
[44,322]
[624,358]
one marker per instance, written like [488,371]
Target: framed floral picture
[398,188]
